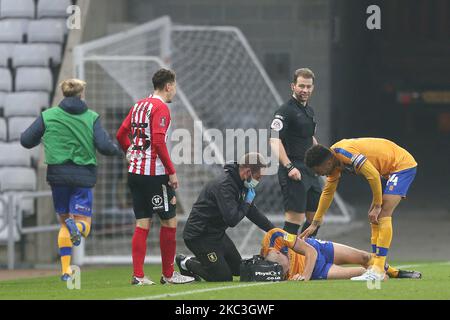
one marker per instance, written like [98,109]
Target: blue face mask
[251,183]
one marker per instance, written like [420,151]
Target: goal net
[223,108]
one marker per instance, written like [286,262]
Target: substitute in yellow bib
[389,170]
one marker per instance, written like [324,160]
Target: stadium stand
[5,80]
[3,136]
[13,30]
[33,34]
[17,9]
[52,9]
[24,104]
[34,79]
[16,125]
[13,154]
[30,55]
[17,179]
[5,54]
[2,101]
[46,31]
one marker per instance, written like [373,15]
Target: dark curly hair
[317,155]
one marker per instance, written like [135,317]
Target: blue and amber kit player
[313,259]
[71,133]
[389,170]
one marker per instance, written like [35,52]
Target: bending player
[374,159]
[313,259]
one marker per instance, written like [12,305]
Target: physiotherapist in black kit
[292,133]
[222,203]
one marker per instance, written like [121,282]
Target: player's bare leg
[144,223]
[338,272]
[348,255]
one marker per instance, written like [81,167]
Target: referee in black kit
[292,133]
[222,203]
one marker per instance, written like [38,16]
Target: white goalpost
[221,86]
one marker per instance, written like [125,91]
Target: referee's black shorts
[300,196]
[151,194]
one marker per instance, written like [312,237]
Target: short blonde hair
[72,87]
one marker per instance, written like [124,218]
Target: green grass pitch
[113,283]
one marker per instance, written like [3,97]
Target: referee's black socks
[290,227]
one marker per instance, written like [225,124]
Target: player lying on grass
[313,259]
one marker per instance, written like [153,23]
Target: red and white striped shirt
[148,122]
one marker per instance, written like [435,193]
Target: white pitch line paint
[185,293]
[421,265]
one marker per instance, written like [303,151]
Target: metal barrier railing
[14,219]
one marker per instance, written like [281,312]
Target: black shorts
[151,194]
[300,196]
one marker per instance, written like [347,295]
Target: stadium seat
[2,103]
[54,51]
[30,55]
[5,80]
[3,136]
[14,155]
[17,125]
[25,103]
[5,53]
[58,21]
[53,9]
[13,30]
[34,79]
[2,100]
[17,9]
[48,30]
[17,179]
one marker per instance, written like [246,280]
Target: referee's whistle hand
[173,181]
[295,174]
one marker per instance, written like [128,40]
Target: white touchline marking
[421,265]
[175,294]
[410,266]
